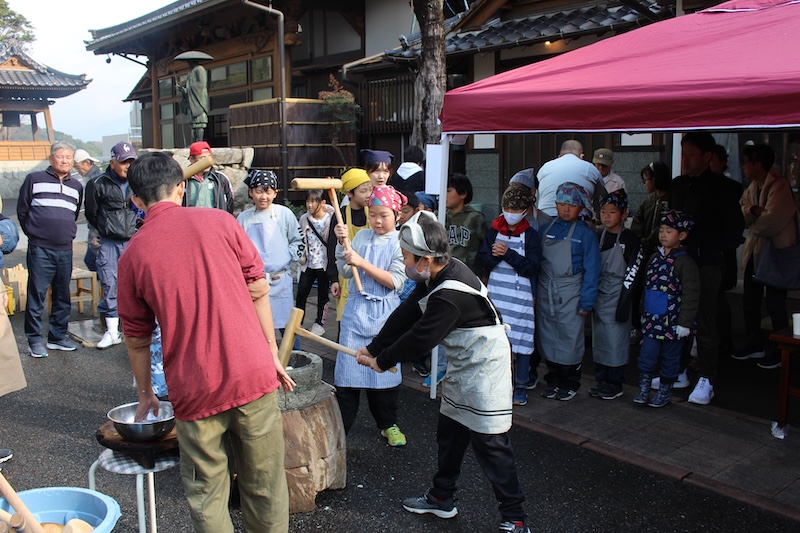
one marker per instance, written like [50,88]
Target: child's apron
[364,316]
[560,330]
[477,387]
[344,282]
[610,339]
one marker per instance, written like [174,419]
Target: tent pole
[676,154]
[443,182]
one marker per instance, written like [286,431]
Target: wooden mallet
[330,184]
[198,166]
[293,328]
[24,518]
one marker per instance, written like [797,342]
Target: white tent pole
[676,154]
[442,213]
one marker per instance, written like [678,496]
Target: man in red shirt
[199,274]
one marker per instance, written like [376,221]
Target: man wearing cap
[210,188]
[86,167]
[602,161]
[48,206]
[109,210]
[569,167]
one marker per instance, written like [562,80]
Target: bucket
[61,504]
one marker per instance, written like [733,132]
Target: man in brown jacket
[769,211]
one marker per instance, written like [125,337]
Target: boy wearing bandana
[511,253]
[276,235]
[620,258]
[566,291]
[670,304]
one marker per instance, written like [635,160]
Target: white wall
[385,21]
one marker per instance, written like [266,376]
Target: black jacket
[712,201]
[107,210]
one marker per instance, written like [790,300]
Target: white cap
[83,155]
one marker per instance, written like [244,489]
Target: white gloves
[682,332]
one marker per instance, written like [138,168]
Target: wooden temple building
[28,88]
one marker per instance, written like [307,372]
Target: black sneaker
[421,369]
[428,504]
[565,394]
[771,360]
[751,352]
[610,392]
[594,392]
[5,455]
[514,527]
[532,382]
[550,392]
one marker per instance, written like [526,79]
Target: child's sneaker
[427,381]
[421,369]
[565,394]
[610,392]
[550,392]
[520,396]
[428,504]
[514,527]
[394,436]
[533,382]
[594,392]
[318,329]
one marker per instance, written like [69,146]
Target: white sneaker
[702,393]
[109,339]
[681,383]
[317,329]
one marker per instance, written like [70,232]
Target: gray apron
[477,387]
[559,328]
[610,339]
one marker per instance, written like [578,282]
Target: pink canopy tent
[731,66]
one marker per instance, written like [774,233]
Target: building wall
[385,21]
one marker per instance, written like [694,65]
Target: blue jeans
[45,268]
[669,352]
[107,259]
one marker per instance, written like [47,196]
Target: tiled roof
[99,37]
[497,33]
[32,75]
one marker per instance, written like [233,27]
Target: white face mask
[513,218]
[415,275]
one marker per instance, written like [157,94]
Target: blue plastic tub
[62,504]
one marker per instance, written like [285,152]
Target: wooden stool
[82,294]
[787,343]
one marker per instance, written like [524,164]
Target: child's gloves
[683,332]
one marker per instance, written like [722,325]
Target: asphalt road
[50,425]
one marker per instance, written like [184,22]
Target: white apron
[477,387]
[363,317]
[610,339]
[271,242]
[559,334]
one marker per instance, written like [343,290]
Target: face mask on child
[415,275]
[513,218]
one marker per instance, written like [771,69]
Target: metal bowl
[145,431]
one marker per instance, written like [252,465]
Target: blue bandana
[572,194]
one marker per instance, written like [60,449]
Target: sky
[61,29]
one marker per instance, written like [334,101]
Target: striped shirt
[47,209]
[511,294]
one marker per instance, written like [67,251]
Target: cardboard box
[17,278]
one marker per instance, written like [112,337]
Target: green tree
[14,28]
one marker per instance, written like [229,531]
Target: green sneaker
[394,436]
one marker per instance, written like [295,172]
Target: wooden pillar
[34,125]
[49,124]
[156,106]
